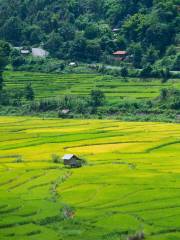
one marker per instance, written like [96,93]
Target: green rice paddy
[130,183]
[54,85]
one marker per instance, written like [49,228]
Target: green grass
[129,184]
[54,85]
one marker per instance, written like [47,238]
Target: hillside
[130,183]
[90,95]
[91,30]
[116,89]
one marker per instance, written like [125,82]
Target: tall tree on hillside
[12,30]
[97,98]
[78,48]
[4,54]
[29,92]
[151,56]
[159,35]
[137,52]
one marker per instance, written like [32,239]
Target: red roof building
[120,55]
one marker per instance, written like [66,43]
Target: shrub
[163,94]
[124,72]
[97,98]
[146,71]
[29,92]
[56,158]
[19,159]
[175,103]
[165,74]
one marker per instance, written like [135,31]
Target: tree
[53,43]
[29,92]
[124,72]
[78,49]
[97,98]
[146,71]
[93,50]
[177,62]
[164,94]
[121,42]
[151,56]
[67,31]
[32,34]
[12,30]
[16,59]
[159,35]
[171,51]
[16,97]
[107,44]
[135,26]
[4,54]
[165,74]
[92,31]
[136,50]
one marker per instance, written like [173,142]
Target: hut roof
[65,111]
[120,53]
[68,156]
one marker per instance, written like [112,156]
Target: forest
[90,30]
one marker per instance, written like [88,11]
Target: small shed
[73,64]
[65,111]
[71,160]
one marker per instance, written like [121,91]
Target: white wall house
[36,52]
[39,52]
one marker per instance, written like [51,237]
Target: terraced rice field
[131,181]
[54,85]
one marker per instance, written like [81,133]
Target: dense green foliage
[83,30]
[4,54]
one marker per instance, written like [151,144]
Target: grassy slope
[52,85]
[131,181]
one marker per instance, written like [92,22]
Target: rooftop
[68,156]
[120,53]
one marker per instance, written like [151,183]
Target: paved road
[119,68]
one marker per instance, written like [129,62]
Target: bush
[19,159]
[56,158]
[163,94]
[124,72]
[29,92]
[175,103]
[97,98]
[17,61]
[165,74]
[146,71]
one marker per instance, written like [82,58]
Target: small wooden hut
[71,160]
